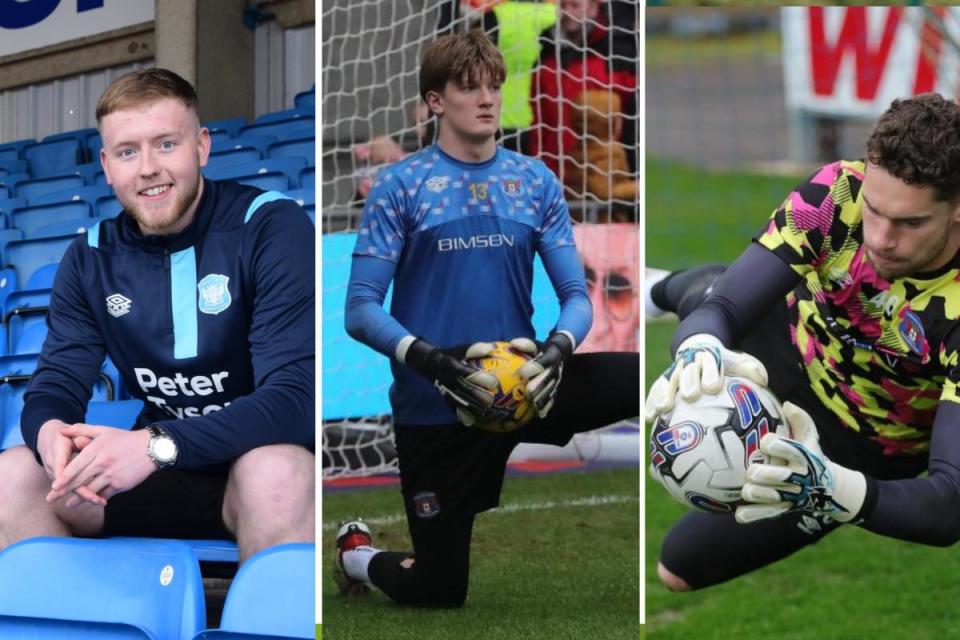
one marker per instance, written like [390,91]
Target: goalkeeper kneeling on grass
[455,227]
[849,299]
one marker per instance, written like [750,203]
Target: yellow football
[511,395]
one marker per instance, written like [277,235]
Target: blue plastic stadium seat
[219,136]
[31,338]
[121,414]
[89,171]
[282,130]
[8,282]
[88,194]
[30,189]
[287,168]
[111,383]
[76,134]
[24,316]
[9,155]
[305,100]
[9,204]
[63,227]
[107,207]
[17,145]
[15,372]
[42,277]
[12,165]
[93,143]
[296,130]
[55,157]
[8,235]
[260,143]
[11,180]
[29,219]
[22,309]
[25,300]
[4,193]
[303,197]
[231,125]
[272,596]
[26,256]
[231,157]
[285,115]
[308,178]
[115,588]
[298,148]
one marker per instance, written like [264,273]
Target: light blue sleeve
[565,271]
[365,318]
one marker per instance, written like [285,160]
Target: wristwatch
[162,448]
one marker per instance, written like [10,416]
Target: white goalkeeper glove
[700,365]
[544,371]
[800,477]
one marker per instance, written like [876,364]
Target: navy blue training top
[213,327]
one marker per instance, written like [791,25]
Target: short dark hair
[918,141]
[144,86]
[460,57]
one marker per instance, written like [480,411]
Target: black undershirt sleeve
[926,509]
[740,297]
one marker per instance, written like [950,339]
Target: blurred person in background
[583,51]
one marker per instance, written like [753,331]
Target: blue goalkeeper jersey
[458,240]
[213,327]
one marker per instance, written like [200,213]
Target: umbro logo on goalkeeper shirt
[117,305]
[438,183]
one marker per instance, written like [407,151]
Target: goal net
[571,102]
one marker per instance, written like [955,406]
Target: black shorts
[171,504]
[770,343]
[456,470]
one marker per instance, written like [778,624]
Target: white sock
[651,277]
[357,560]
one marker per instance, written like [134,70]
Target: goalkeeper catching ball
[847,304]
[455,227]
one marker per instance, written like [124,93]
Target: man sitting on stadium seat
[455,227]
[202,293]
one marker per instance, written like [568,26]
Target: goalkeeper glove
[800,477]
[700,365]
[544,371]
[468,391]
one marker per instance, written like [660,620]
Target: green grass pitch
[559,560]
[853,584]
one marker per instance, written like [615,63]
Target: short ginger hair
[143,87]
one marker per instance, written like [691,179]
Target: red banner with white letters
[853,61]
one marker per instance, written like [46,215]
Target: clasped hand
[92,463]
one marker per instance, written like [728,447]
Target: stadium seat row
[298,169]
[62,153]
[149,588]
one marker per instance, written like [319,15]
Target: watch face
[164,449]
